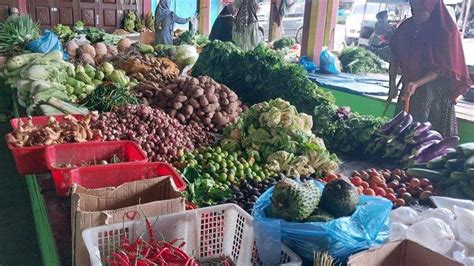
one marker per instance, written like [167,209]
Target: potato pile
[201,100]
[91,54]
[146,68]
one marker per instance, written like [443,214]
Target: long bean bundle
[16,32]
[108,95]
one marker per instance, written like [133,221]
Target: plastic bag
[464,228]
[328,63]
[47,43]
[368,226]
[309,65]
[404,215]
[441,213]
[434,234]
[398,232]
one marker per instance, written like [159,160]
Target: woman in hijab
[164,23]
[222,28]
[427,48]
[245,29]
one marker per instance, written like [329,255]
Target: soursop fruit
[294,201]
[320,215]
[339,198]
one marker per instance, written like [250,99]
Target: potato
[232,108]
[210,90]
[212,98]
[225,102]
[203,79]
[177,105]
[188,109]
[194,81]
[206,121]
[194,103]
[210,115]
[169,93]
[203,101]
[223,95]
[173,113]
[201,113]
[220,120]
[181,118]
[198,93]
[232,96]
[211,107]
[180,98]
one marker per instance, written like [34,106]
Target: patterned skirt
[432,102]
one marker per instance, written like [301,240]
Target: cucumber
[452,154]
[458,176]
[470,172]
[454,164]
[424,173]
[420,165]
[469,191]
[455,192]
[466,148]
[437,163]
[469,162]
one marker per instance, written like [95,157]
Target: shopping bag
[46,43]
[368,226]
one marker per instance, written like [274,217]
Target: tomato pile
[394,185]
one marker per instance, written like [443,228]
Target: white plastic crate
[210,233]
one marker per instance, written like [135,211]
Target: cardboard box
[130,201]
[404,252]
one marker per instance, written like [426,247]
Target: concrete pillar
[204,10]
[319,27]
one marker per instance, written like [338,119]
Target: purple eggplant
[429,135]
[403,126]
[392,124]
[422,128]
[420,148]
[438,149]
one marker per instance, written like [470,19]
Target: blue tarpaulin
[356,84]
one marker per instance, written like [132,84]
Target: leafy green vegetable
[16,32]
[358,60]
[192,38]
[283,43]
[64,32]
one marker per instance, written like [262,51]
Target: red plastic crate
[113,175]
[76,153]
[31,160]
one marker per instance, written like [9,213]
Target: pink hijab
[436,47]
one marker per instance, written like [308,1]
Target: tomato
[383,185]
[356,181]
[425,182]
[377,179]
[373,185]
[400,202]
[389,190]
[380,192]
[415,182]
[391,197]
[330,178]
[369,192]
[364,184]
[360,190]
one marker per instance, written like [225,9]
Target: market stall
[117,139]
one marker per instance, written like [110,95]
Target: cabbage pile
[274,133]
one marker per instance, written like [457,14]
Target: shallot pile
[54,132]
[161,137]
[201,100]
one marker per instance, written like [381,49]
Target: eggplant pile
[452,172]
[407,141]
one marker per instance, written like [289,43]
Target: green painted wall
[370,106]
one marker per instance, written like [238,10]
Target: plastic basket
[76,153]
[210,234]
[113,175]
[31,160]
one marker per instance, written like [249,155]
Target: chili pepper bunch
[150,252]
